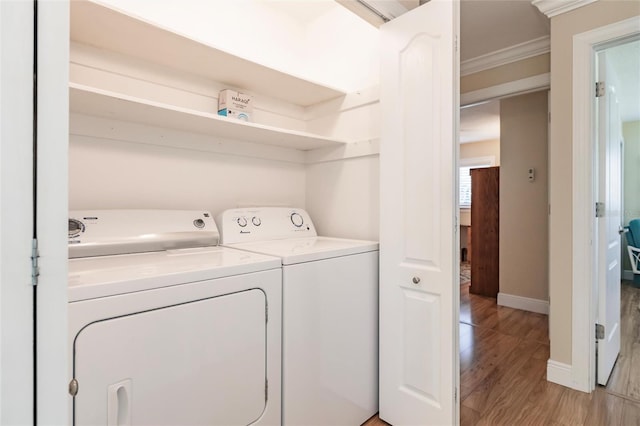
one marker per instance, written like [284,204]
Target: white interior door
[610,193]
[16,213]
[418,226]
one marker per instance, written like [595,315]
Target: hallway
[503,357]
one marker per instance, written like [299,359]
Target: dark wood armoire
[485,235]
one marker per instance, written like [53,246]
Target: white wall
[524,212]
[490,148]
[343,197]
[107,173]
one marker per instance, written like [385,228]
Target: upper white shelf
[109,29]
[102,103]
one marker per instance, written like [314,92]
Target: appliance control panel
[105,232]
[263,224]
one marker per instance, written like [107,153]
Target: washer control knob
[198,223]
[242,221]
[297,220]
[256,221]
[76,227]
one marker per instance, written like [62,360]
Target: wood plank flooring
[503,357]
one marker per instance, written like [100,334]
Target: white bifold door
[418,235]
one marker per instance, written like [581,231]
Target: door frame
[585,285]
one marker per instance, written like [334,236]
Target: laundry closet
[144,129]
[147,140]
[342,125]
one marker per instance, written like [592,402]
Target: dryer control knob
[256,221]
[76,227]
[297,220]
[242,221]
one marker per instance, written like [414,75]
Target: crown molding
[507,55]
[556,7]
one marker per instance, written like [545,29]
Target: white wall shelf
[99,26]
[101,103]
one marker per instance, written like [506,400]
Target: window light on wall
[466,164]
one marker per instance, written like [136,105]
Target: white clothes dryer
[166,328]
[330,314]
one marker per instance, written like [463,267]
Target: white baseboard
[627,275]
[523,303]
[560,373]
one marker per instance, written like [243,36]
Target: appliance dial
[75,228]
[256,221]
[297,220]
[199,223]
[242,221]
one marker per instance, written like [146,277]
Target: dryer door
[198,363]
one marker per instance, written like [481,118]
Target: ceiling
[490,25]
[480,122]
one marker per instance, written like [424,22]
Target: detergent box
[235,105]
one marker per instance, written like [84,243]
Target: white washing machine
[330,314]
[166,328]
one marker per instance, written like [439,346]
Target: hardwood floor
[503,357]
[625,378]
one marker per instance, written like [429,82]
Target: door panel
[610,192]
[16,213]
[197,363]
[418,235]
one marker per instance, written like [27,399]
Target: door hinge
[73,387]
[266,313]
[455,395]
[266,389]
[599,331]
[35,268]
[600,89]
[456,43]
[599,209]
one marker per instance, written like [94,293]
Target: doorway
[619,138]
[585,293]
[504,341]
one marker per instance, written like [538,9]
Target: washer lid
[298,250]
[93,277]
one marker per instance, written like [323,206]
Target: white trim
[584,289]
[517,87]
[560,373]
[16,213]
[478,161]
[556,7]
[627,275]
[505,56]
[523,303]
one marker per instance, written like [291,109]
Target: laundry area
[223,171]
[166,133]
